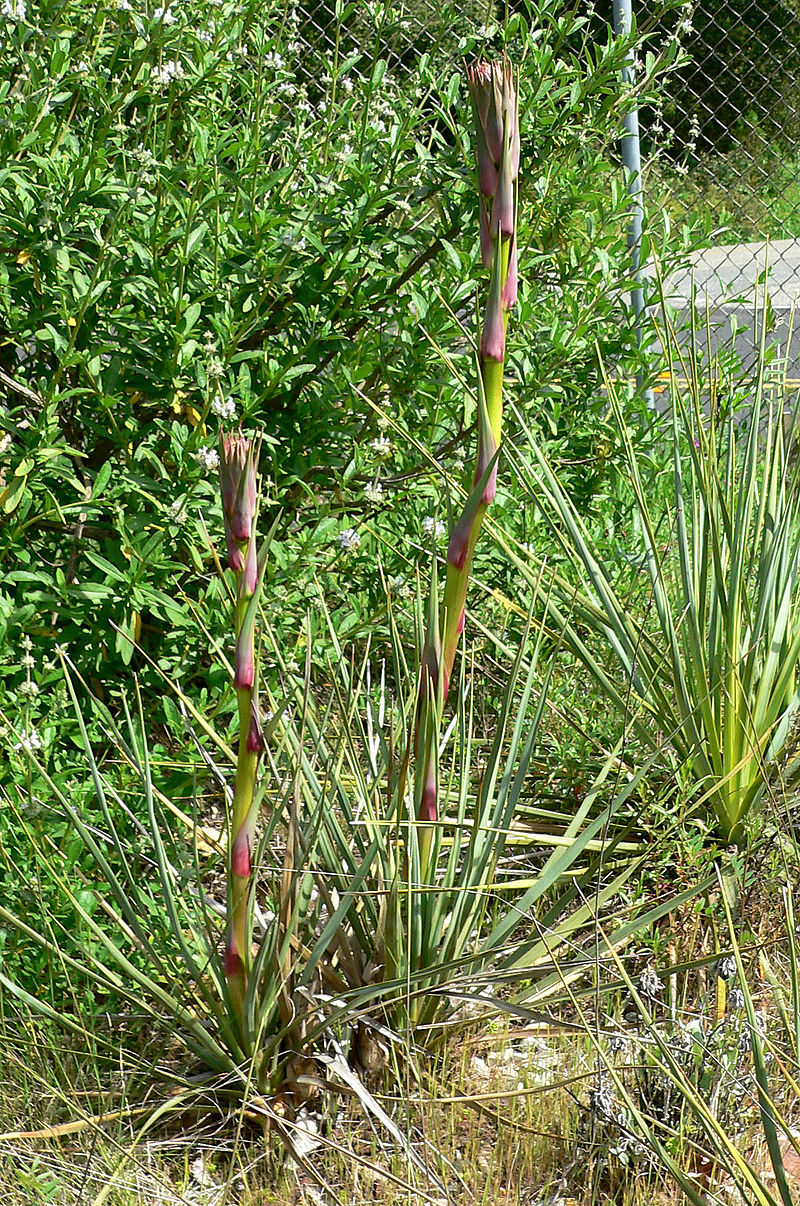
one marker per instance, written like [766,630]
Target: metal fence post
[632,162]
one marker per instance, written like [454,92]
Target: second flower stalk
[238,466]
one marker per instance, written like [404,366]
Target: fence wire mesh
[720,146]
[722,143]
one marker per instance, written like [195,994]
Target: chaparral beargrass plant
[214,971]
[419,904]
[714,676]
[506,909]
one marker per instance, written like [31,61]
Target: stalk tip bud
[238,470]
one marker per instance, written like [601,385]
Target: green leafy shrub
[195,226]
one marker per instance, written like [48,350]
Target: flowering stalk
[495,109]
[238,468]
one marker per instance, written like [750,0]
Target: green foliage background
[303,247]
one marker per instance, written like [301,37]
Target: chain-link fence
[398,32]
[721,145]
[721,153]
[727,129]
[719,148]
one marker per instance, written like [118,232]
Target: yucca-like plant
[218,974]
[149,935]
[714,677]
[409,950]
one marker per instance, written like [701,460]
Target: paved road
[725,279]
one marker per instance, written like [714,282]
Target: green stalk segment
[496,110]
[490,424]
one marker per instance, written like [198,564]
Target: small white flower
[26,643]
[177,513]
[346,85]
[431,525]
[224,408]
[205,36]
[5,443]
[381,446]
[29,690]
[348,540]
[215,368]
[274,60]
[649,984]
[398,586]
[165,15]
[27,661]
[169,71]
[287,88]
[208,458]
[29,741]
[374,494]
[124,6]
[14,10]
